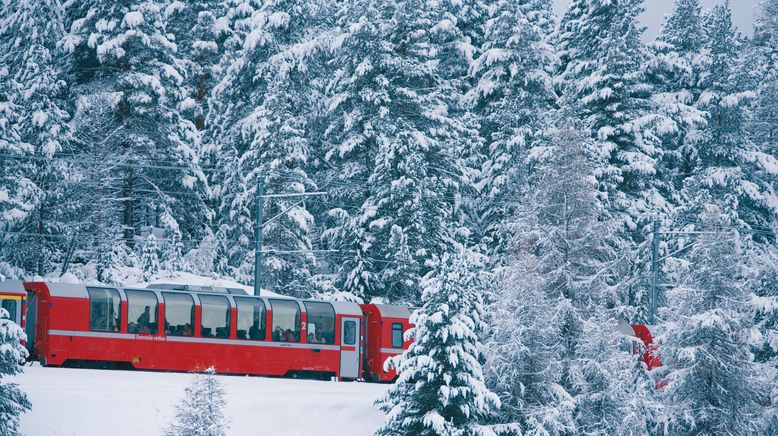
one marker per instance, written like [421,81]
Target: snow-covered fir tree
[133,140]
[13,402]
[440,389]
[524,365]
[267,137]
[713,384]
[727,163]
[675,69]
[765,41]
[33,128]
[201,411]
[390,127]
[511,99]
[199,30]
[602,70]
[149,261]
[564,246]
[614,392]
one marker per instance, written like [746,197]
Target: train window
[321,322]
[179,314]
[215,316]
[397,335]
[349,333]
[251,318]
[142,312]
[104,309]
[286,320]
[10,306]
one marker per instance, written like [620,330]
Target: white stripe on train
[250,343]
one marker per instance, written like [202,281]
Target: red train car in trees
[177,329]
[386,327]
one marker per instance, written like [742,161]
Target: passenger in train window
[144,318]
[187,330]
[132,327]
[278,334]
[254,332]
[97,315]
[289,336]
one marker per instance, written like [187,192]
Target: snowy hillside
[97,402]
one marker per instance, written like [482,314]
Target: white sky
[743,12]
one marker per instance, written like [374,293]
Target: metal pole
[258,235]
[654,273]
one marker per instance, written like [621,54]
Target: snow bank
[98,402]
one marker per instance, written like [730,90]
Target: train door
[32,318]
[349,348]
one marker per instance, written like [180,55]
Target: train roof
[345,308]
[196,288]
[80,291]
[12,287]
[392,311]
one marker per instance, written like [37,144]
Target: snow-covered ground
[99,402]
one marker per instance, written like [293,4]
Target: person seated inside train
[187,330]
[222,332]
[254,332]
[289,336]
[132,327]
[278,334]
[144,318]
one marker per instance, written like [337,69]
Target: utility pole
[654,273]
[258,226]
[258,235]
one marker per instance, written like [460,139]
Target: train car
[386,326]
[186,329]
[13,299]
[641,342]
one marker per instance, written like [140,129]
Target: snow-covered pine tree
[33,127]
[199,30]
[615,393]
[765,41]
[602,71]
[139,150]
[564,245]
[389,127]
[675,69]
[201,411]
[440,389]
[149,261]
[268,97]
[712,387]
[511,99]
[13,402]
[171,255]
[727,163]
[524,350]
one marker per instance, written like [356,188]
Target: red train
[186,328]
[170,327]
